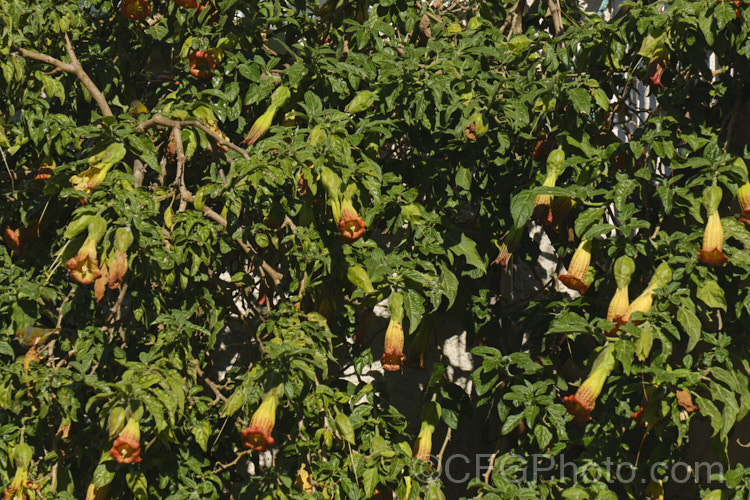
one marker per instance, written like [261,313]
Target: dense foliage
[204,202]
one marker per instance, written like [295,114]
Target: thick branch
[166,122]
[554,10]
[73,67]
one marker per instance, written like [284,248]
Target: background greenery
[449,155]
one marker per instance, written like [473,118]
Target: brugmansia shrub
[205,205]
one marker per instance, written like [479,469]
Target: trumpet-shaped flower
[582,403]
[508,246]
[257,436]
[84,266]
[393,356]
[618,306]
[351,225]
[713,235]
[127,447]
[90,178]
[579,266]
[744,196]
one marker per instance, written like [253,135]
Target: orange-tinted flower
[713,241]
[744,196]
[351,225]
[257,436]
[117,269]
[199,60]
[135,10]
[127,447]
[661,278]
[654,73]
[618,306]
[541,208]
[17,239]
[94,493]
[100,284]
[393,356]
[582,403]
[84,266]
[420,344]
[579,266]
[510,242]
[558,210]
[423,445]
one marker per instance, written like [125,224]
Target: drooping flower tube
[84,266]
[744,196]
[508,246]
[579,266]
[393,356]
[351,226]
[661,278]
[127,447]
[420,344]
[263,123]
[618,306]
[257,436]
[423,445]
[100,163]
[119,263]
[554,169]
[713,236]
[582,403]
[559,209]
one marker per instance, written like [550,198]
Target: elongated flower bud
[579,266]
[280,96]
[257,436]
[423,445]
[744,196]
[260,127]
[661,278]
[582,403]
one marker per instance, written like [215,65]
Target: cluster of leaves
[437,121]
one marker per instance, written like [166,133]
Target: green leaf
[601,99]
[414,308]
[543,436]
[468,249]
[581,100]
[345,428]
[587,219]
[511,423]
[690,323]
[202,432]
[712,294]
[137,483]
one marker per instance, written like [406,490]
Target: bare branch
[166,122]
[74,67]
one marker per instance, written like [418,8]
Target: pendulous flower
[393,356]
[661,278]
[423,445]
[118,265]
[127,447]
[84,266]
[257,436]
[713,236]
[579,266]
[618,306]
[558,210]
[582,403]
[744,196]
[351,225]
[508,246]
